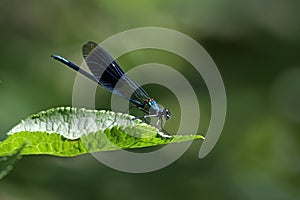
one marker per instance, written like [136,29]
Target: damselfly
[106,72]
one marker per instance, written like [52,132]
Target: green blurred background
[254,43]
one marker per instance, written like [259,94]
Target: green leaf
[72,131]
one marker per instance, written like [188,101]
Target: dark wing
[110,75]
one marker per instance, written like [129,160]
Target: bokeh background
[254,43]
